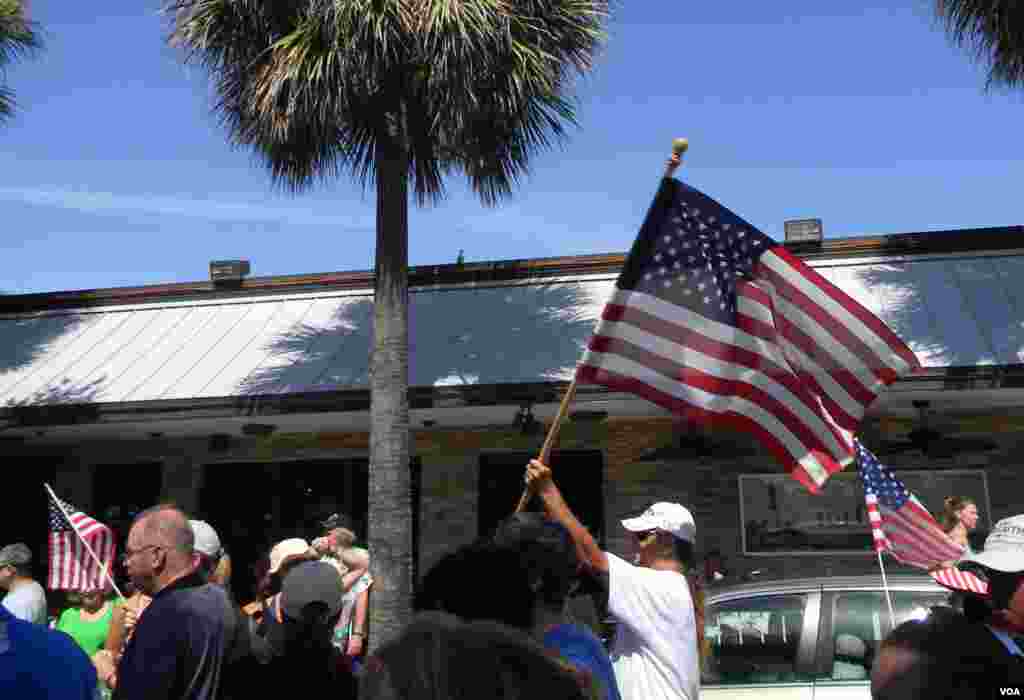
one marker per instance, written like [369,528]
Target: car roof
[898,582]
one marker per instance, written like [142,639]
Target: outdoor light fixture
[527,424]
[804,230]
[588,416]
[258,429]
[219,442]
[228,272]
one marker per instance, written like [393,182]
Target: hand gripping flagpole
[679,147]
[101,565]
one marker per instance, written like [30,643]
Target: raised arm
[538,478]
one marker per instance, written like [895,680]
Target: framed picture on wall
[779,517]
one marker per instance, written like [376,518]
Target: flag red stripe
[695,340]
[843,376]
[826,323]
[884,333]
[716,385]
[736,421]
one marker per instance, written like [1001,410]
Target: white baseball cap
[669,517]
[206,540]
[284,549]
[1004,548]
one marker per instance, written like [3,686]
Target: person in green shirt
[89,624]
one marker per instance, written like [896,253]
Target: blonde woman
[337,548]
[959,519]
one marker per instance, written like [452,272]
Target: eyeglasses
[129,553]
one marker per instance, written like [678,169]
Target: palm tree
[994,30]
[394,93]
[17,39]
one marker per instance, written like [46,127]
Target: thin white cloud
[113,203]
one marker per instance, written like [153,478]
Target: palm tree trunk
[390,495]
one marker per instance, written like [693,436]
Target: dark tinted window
[754,640]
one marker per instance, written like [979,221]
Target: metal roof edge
[1005,239]
[985,377]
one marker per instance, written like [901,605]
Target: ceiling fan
[931,441]
[691,442]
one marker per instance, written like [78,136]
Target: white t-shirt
[27,602]
[655,649]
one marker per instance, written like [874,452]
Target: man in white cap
[207,549]
[951,654]
[655,649]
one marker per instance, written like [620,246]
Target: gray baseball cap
[17,554]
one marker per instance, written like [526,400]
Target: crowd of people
[516,614]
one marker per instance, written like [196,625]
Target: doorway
[255,505]
[580,478]
[27,520]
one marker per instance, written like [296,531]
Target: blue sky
[115,173]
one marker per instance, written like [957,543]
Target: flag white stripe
[833,389]
[681,354]
[878,346]
[834,348]
[66,564]
[786,354]
[714,403]
[726,334]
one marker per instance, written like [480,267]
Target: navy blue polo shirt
[181,644]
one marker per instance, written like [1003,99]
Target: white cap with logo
[1004,548]
[669,517]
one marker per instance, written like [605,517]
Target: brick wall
[451,464]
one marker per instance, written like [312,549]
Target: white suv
[809,639]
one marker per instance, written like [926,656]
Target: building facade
[247,404]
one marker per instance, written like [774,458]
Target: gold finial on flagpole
[679,146]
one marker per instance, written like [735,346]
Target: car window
[857,631]
[754,640]
[860,620]
[915,605]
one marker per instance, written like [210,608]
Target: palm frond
[471,86]
[993,30]
[18,36]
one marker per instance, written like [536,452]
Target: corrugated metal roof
[952,311]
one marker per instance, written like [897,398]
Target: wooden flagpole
[549,442]
[95,558]
[679,147]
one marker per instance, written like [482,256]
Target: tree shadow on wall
[525,333]
[954,312]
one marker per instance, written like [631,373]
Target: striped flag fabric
[952,577]
[900,524]
[72,568]
[714,320]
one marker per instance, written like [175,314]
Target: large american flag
[71,566]
[900,523]
[713,319]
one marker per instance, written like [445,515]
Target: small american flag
[71,566]
[952,577]
[713,319]
[900,523]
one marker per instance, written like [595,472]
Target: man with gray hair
[183,641]
[25,598]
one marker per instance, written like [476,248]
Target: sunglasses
[644,534]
